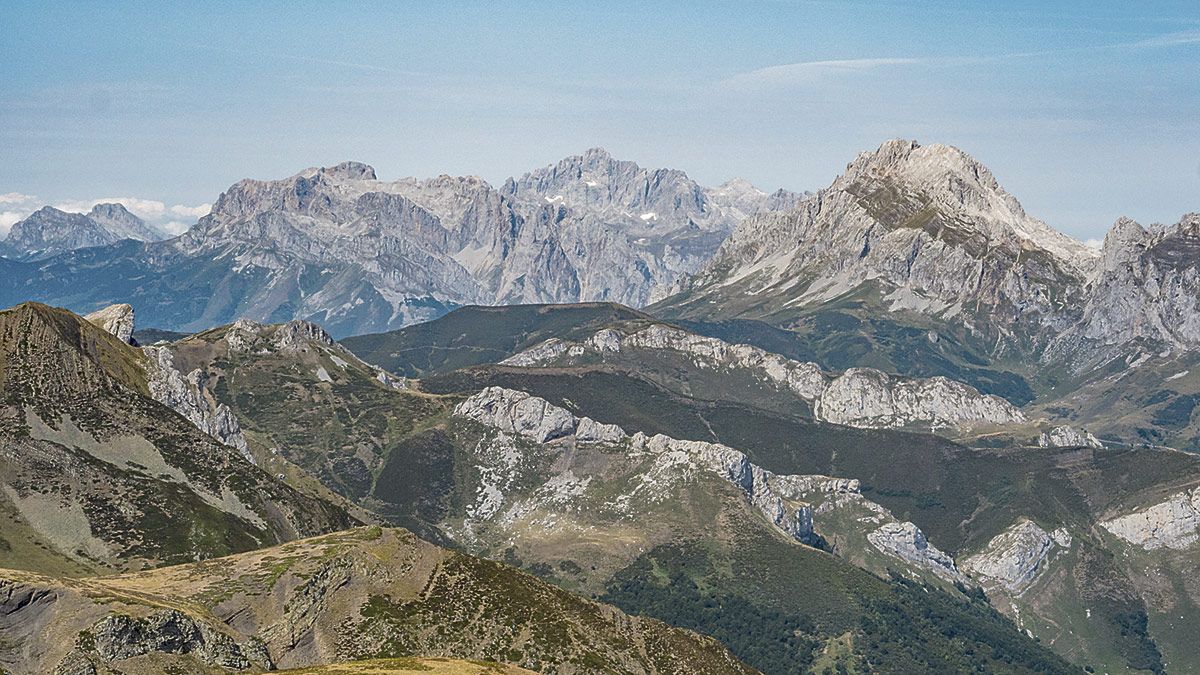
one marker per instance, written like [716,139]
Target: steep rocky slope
[361,594]
[97,474]
[922,229]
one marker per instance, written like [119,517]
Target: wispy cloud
[146,209]
[17,198]
[1189,37]
[808,71]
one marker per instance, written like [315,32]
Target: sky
[1085,111]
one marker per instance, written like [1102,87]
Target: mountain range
[337,246]
[602,417]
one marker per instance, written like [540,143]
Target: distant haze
[1084,111]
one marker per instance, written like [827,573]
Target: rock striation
[859,397]
[1173,523]
[1014,558]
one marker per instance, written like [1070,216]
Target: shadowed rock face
[1148,286]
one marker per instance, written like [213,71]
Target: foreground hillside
[96,473]
[369,593]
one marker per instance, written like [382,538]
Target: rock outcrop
[189,396]
[1174,523]
[1014,558]
[860,397]
[118,637]
[907,542]
[116,319]
[1067,436]
[785,501]
[865,397]
[520,413]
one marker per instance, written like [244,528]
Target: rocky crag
[859,397]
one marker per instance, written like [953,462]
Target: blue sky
[1084,110]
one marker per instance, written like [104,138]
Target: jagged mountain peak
[343,171]
[110,210]
[739,184]
[946,177]
[118,220]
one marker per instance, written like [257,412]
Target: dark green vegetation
[471,336]
[323,410]
[401,455]
[846,337]
[98,475]
[780,623]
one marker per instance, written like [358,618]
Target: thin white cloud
[1189,37]
[175,227]
[805,72]
[1094,243]
[809,71]
[191,211]
[8,219]
[150,210]
[16,198]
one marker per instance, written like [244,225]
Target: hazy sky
[1084,110]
